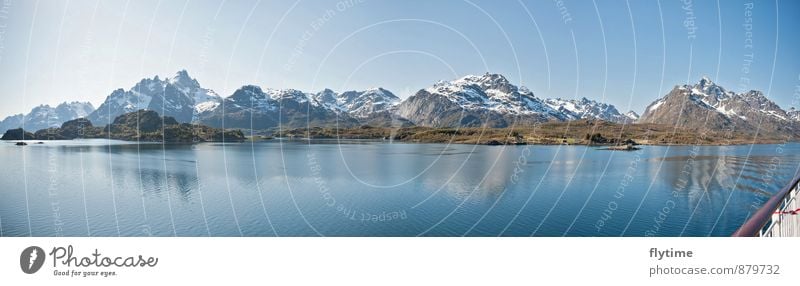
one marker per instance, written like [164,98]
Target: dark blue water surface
[363,188]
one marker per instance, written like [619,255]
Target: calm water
[110,188]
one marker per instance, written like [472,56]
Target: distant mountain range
[472,101]
[45,116]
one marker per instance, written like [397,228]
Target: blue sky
[627,53]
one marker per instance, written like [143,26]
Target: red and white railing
[779,217]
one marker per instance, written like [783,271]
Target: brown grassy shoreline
[582,132]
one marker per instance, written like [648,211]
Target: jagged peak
[582,100]
[486,81]
[147,84]
[250,88]
[705,80]
[182,79]
[182,73]
[706,85]
[67,103]
[494,77]
[380,91]
[703,83]
[375,89]
[287,93]
[489,78]
[283,91]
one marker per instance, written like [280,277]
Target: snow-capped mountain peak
[708,92]
[487,81]
[364,103]
[358,104]
[46,116]
[179,96]
[283,94]
[327,98]
[705,81]
[491,92]
[794,114]
[706,104]
[632,115]
[183,81]
[251,97]
[585,108]
[74,109]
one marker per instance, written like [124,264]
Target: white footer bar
[399,261]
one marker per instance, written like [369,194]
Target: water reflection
[322,187]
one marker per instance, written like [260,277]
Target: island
[142,125]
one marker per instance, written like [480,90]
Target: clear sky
[627,53]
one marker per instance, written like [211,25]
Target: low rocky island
[17,134]
[142,125]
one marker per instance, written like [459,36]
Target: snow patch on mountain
[731,104]
[632,115]
[179,96]
[794,114]
[46,116]
[491,92]
[706,104]
[655,105]
[251,97]
[359,104]
[585,108]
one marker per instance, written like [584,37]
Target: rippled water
[362,188]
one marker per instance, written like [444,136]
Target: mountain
[794,114]
[469,101]
[45,116]
[11,122]
[253,108]
[490,100]
[358,104]
[180,97]
[584,108]
[708,105]
[632,116]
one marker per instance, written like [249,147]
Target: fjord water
[367,188]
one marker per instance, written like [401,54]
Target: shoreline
[583,132]
[476,141]
[375,140]
[378,140]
